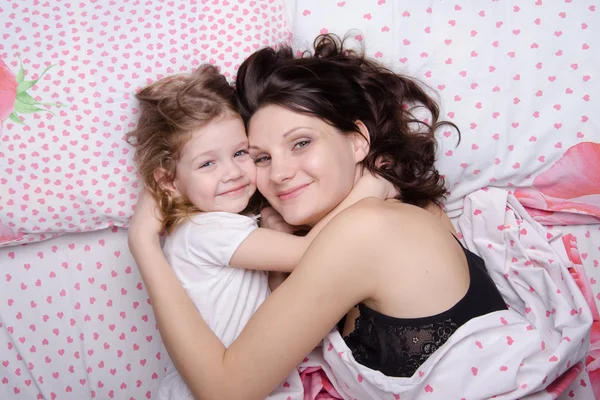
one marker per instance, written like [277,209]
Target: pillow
[68,75]
[519,80]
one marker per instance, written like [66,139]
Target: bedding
[68,75]
[535,349]
[76,321]
[520,79]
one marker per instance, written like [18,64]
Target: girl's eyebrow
[203,154]
[212,152]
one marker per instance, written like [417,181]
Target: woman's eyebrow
[285,134]
[290,131]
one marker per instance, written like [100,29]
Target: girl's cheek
[262,179]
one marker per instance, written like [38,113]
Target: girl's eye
[301,144]
[206,164]
[240,153]
[262,160]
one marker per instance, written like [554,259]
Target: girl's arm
[273,250]
[270,250]
[287,326]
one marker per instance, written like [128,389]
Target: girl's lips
[235,191]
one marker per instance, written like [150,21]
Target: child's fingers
[271,219]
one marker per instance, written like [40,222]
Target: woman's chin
[294,220]
[301,218]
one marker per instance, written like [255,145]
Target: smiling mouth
[235,191]
[290,194]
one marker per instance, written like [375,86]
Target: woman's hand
[368,185]
[372,185]
[145,226]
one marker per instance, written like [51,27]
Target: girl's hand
[271,219]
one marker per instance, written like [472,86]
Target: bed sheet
[76,321]
[582,244]
[586,240]
[519,79]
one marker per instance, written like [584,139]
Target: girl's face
[305,167]
[215,171]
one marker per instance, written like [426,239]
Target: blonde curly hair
[171,110]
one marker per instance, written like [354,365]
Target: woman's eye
[301,144]
[262,160]
[240,153]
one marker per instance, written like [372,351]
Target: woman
[313,124]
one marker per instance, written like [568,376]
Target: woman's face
[305,167]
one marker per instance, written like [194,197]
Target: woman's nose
[282,169]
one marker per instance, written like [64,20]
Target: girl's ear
[361,142]
[161,176]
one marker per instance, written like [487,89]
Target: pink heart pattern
[76,321]
[516,79]
[558,357]
[71,171]
[79,328]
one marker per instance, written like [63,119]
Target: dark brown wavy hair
[341,86]
[171,110]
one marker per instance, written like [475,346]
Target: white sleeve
[214,238]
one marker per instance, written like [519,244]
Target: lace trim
[396,350]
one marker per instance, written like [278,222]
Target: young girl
[192,154]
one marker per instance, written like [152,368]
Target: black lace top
[398,346]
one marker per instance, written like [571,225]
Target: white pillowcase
[72,170]
[518,80]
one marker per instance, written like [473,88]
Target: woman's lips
[292,193]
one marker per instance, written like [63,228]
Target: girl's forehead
[217,134]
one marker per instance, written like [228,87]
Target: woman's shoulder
[370,223]
[378,224]
[376,213]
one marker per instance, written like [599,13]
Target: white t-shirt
[199,251]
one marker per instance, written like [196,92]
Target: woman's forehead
[273,124]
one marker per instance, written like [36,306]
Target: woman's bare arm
[291,322]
